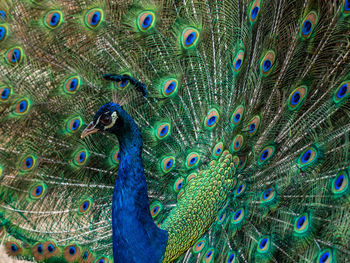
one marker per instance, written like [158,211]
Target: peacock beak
[90,129]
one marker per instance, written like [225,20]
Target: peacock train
[158,131]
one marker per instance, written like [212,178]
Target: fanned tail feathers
[247,117]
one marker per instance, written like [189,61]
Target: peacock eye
[106,119]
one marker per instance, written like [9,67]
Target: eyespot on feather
[297,98]
[325,256]
[14,56]
[21,106]
[346,7]
[238,216]
[145,21]
[2,15]
[340,183]
[86,256]
[102,260]
[167,164]
[221,218]
[156,208]
[237,116]
[253,125]
[240,189]
[5,93]
[94,18]
[268,195]
[71,253]
[342,92]
[192,160]
[85,206]
[28,163]
[199,246]
[162,130]
[267,63]
[179,183]
[308,25]
[73,125]
[238,61]
[3,32]
[189,37]
[254,11]
[237,143]
[231,257]
[211,119]
[115,156]
[217,150]
[50,249]
[169,87]
[13,248]
[72,85]
[225,204]
[208,257]
[301,224]
[264,244]
[53,19]
[38,191]
[38,251]
[266,154]
[307,157]
[81,157]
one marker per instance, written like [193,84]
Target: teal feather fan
[244,123]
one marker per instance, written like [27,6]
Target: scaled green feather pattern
[198,207]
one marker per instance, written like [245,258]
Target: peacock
[175,131]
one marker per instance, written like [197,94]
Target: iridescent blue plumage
[135,236]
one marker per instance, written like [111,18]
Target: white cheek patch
[114,118]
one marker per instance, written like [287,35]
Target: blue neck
[135,236]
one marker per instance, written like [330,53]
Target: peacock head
[109,118]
